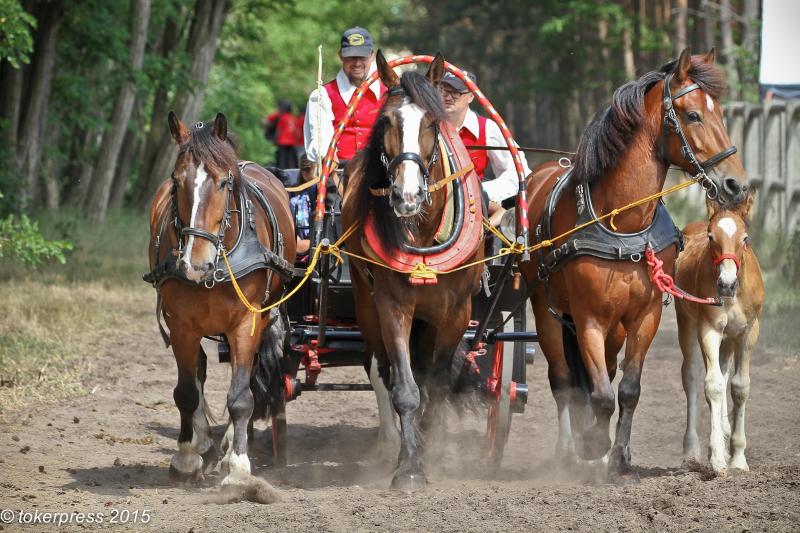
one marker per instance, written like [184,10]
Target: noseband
[671,122]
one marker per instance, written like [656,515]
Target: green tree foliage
[268,51]
[16,42]
[21,240]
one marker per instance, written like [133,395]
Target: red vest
[356,134]
[479,157]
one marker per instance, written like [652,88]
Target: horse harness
[596,240]
[247,254]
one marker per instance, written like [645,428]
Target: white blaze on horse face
[727,272]
[710,103]
[728,225]
[411,115]
[199,179]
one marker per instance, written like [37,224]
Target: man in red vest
[476,130]
[326,109]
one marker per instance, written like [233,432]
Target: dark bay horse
[411,330]
[623,156]
[211,202]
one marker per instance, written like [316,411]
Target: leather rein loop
[671,122]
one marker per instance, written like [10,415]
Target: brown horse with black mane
[586,307]
[214,202]
[411,329]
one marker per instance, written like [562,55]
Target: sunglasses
[455,95]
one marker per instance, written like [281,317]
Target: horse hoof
[184,478]
[591,449]
[628,477]
[409,482]
[210,460]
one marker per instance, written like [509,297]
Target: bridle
[671,122]
[391,165]
[218,239]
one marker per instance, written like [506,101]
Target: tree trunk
[130,148]
[209,16]
[710,25]
[728,49]
[51,171]
[103,176]
[681,25]
[10,103]
[34,118]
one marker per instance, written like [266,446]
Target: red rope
[665,283]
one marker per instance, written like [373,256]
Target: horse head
[409,125]
[695,137]
[728,240]
[203,181]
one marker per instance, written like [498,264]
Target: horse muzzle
[732,191]
[198,275]
[406,204]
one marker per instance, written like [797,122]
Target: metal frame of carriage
[324,332]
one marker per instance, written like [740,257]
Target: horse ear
[746,209]
[683,65]
[179,132]
[436,69]
[388,75]
[221,127]
[712,208]
[711,56]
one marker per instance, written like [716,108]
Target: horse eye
[694,116]
[221,185]
[710,237]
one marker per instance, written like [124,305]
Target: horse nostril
[732,186]
[396,195]
[208,267]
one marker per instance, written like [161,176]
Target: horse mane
[205,146]
[368,171]
[611,131]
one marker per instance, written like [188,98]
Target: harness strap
[386,191]
[666,284]
[720,258]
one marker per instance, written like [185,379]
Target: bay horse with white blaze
[592,291]
[213,202]
[718,260]
[412,330]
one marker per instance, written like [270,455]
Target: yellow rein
[423,271]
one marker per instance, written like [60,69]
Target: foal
[718,260]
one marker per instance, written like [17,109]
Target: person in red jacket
[282,127]
[327,108]
[477,130]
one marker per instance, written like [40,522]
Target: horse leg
[690,371]
[194,437]
[240,401]
[710,340]
[725,362]
[201,422]
[629,390]
[594,442]
[740,392]
[395,330]
[558,373]
[388,434]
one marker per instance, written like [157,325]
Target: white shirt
[320,104]
[506,181]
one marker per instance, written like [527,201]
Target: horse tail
[265,381]
[572,354]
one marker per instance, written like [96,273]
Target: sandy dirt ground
[108,452]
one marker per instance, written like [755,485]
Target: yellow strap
[304,186]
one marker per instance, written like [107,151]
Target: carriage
[324,332]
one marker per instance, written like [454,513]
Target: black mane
[367,164]
[611,130]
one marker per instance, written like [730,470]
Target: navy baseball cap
[456,83]
[356,42]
